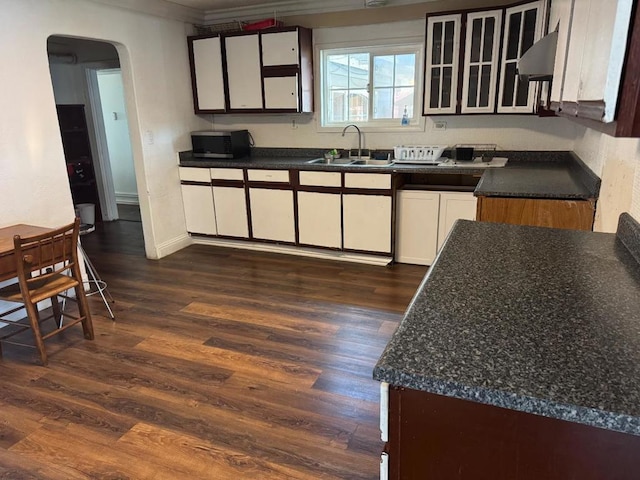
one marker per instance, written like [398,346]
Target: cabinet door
[207,71]
[441,65]
[272,214]
[481,61]
[560,15]
[281,93]
[231,211]
[243,72]
[367,222]
[595,56]
[417,227]
[199,211]
[454,206]
[320,219]
[523,27]
[280,48]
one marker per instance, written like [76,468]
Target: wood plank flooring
[221,364]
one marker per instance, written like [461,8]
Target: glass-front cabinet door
[481,60]
[523,27]
[441,64]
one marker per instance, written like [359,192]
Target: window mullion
[370,87]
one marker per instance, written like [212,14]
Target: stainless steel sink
[331,161]
[370,162]
[355,162]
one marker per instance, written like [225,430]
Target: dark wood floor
[222,364]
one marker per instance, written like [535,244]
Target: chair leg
[34,319]
[83,307]
[57,313]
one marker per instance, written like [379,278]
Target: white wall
[116,126]
[617,162]
[155,69]
[517,132]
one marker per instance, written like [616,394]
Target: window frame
[374,49]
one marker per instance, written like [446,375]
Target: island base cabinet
[568,214]
[433,436]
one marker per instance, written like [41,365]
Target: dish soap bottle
[405,117]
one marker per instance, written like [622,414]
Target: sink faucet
[359,138]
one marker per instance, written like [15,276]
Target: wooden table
[7,261]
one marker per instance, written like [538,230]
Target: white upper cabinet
[481,60]
[255,72]
[243,72]
[560,15]
[281,92]
[441,65]
[523,26]
[280,48]
[208,73]
[589,64]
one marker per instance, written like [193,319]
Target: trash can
[87,213]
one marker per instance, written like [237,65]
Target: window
[370,86]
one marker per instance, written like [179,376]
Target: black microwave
[229,144]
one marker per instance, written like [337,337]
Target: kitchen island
[519,358]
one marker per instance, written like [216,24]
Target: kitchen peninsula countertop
[557,175]
[538,320]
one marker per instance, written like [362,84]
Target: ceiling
[210,11]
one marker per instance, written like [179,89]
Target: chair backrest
[46,254]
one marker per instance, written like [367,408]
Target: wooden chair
[47,267]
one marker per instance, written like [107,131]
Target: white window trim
[417,124]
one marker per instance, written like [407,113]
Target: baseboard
[173,245]
[299,251]
[127,198]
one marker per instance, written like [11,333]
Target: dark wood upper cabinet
[471,60]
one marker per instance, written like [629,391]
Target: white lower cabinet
[417,227]
[320,219]
[454,206]
[199,210]
[424,219]
[231,211]
[272,215]
[367,222]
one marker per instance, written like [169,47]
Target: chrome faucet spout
[359,138]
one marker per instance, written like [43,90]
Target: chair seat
[40,290]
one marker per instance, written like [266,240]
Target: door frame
[110,207]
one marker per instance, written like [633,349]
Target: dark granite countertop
[533,319]
[564,179]
[559,175]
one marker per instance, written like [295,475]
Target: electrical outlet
[439,125]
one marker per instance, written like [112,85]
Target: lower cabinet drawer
[268,176]
[227,174]
[194,174]
[321,179]
[380,181]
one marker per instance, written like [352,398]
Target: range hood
[536,65]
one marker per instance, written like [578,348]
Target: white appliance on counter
[424,154]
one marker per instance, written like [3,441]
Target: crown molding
[285,8]
[159,8]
